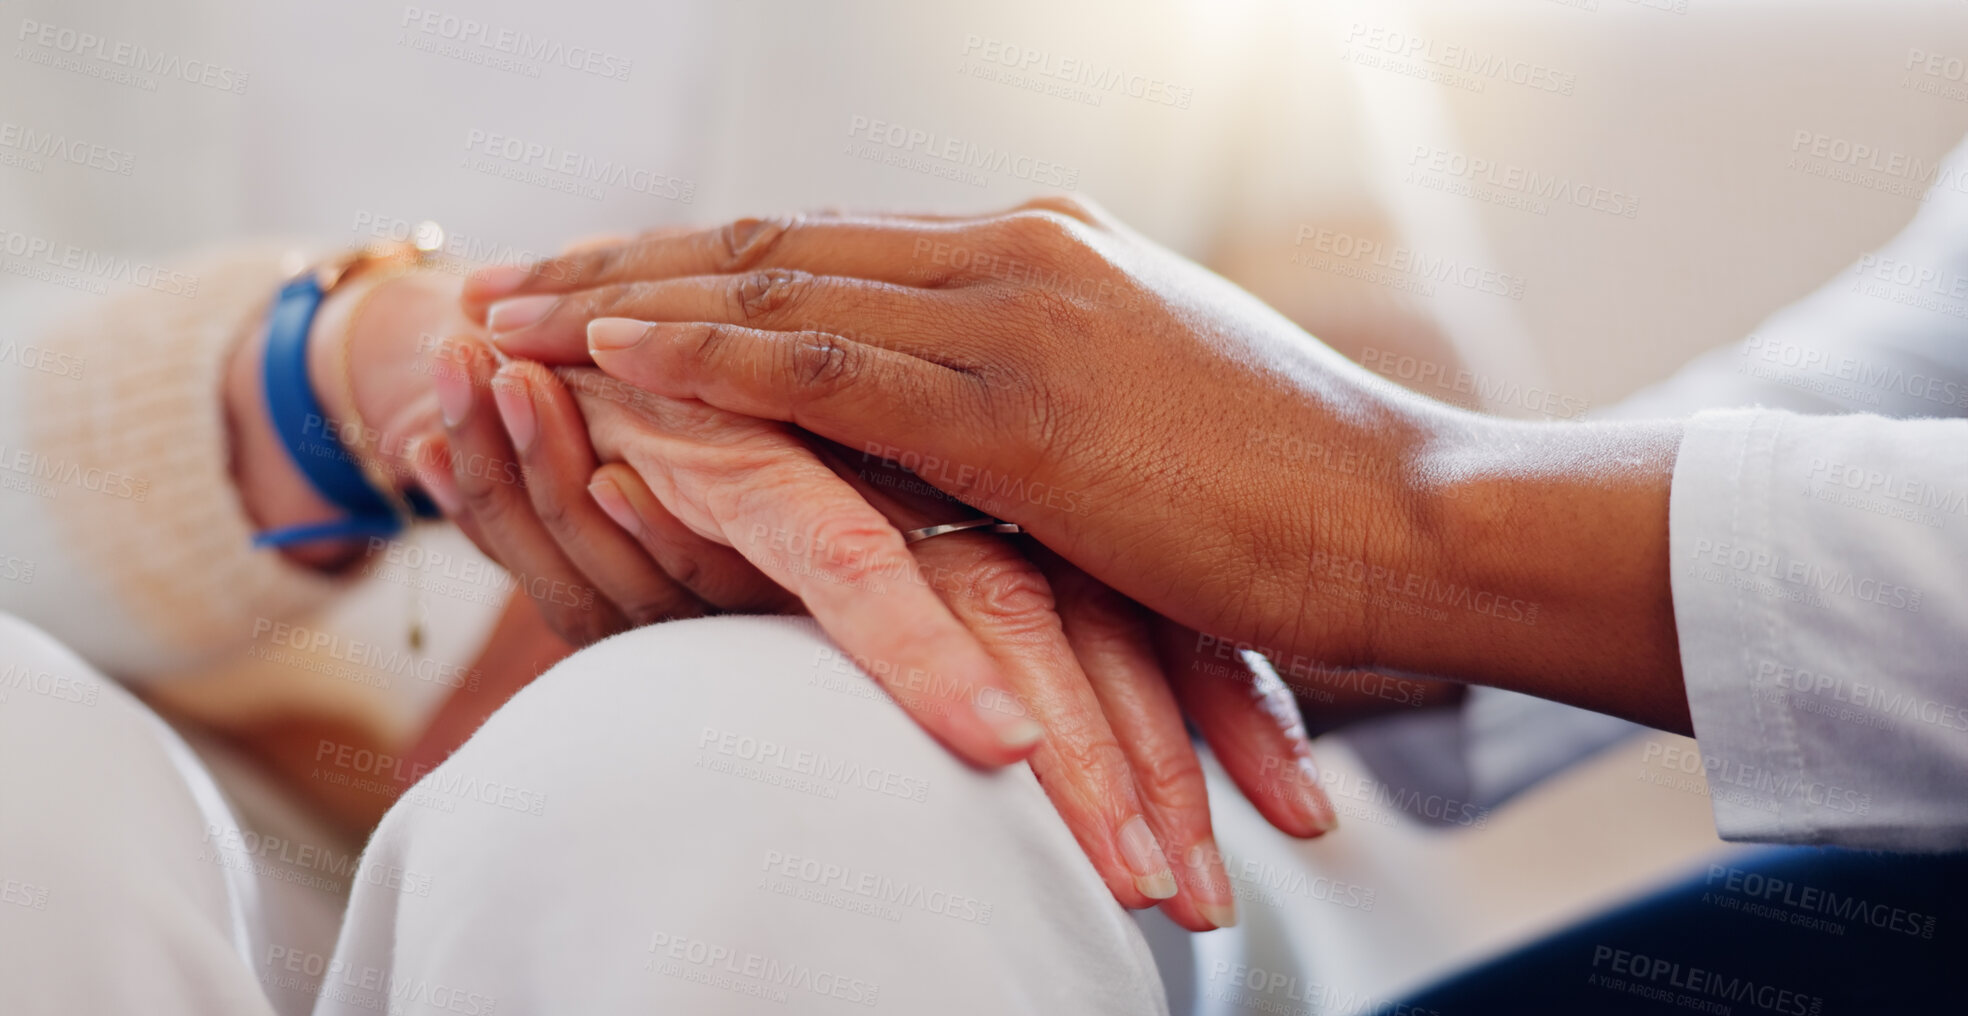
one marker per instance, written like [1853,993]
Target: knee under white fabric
[707,816]
[125,883]
[724,816]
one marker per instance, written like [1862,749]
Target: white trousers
[707,816]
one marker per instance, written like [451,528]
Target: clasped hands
[695,421]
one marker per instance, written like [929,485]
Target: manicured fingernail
[1311,797]
[1144,856]
[1214,897]
[435,479]
[1015,732]
[614,505]
[499,280]
[518,312]
[611,334]
[454,391]
[515,399]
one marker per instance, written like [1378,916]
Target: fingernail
[1223,915]
[454,391]
[436,481]
[499,279]
[611,334]
[1215,899]
[518,312]
[614,505]
[515,400]
[1311,797]
[1015,732]
[1151,870]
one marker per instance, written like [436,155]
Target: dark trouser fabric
[1798,931]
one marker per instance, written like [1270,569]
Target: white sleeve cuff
[1818,595]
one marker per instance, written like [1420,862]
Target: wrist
[272,490]
[364,350]
[370,328]
[1548,547]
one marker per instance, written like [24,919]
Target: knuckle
[1007,591]
[1171,779]
[1070,205]
[1099,761]
[705,343]
[764,293]
[1042,232]
[745,243]
[855,551]
[823,361]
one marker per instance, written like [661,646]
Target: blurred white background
[1256,122]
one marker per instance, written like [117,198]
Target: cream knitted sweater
[121,532]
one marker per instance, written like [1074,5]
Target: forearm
[1539,563]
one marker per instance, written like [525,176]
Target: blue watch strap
[340,529]
[303,428]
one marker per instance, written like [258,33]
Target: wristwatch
[373,508]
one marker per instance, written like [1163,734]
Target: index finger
[878,250]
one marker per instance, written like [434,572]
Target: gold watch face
[426,239]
